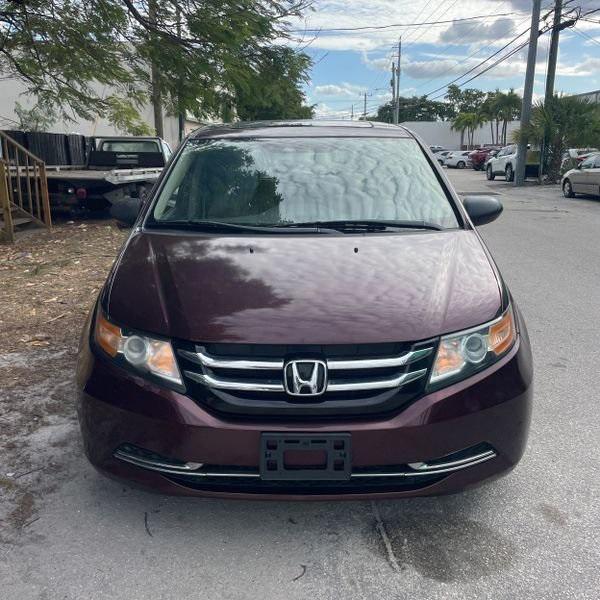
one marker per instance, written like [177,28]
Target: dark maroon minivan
[305,310]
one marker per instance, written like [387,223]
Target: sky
[349,63]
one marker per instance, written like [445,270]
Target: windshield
[291,181]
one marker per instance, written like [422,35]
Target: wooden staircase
[23,189]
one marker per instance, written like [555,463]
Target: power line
[585,35]
[480,63]
[392,25]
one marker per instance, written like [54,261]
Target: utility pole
[553,52]
[365,109]
[528,92]
[352,113]
[393,84]
[397,79]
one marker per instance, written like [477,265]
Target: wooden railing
[23,188]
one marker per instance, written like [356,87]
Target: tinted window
[588,163]
[295,180]
[138,146]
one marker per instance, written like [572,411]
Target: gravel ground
[69,533]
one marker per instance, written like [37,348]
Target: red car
[295,316]
[480,156]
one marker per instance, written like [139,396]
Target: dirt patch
[48,282]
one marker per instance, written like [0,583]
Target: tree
[507,108]
[274,91]
[103,57]
[415,109]
[38,118]
[565,122]
[469,122]
[465,101]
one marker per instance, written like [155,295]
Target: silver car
[583,180]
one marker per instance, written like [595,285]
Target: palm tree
[469,122]
[565,122]
[507,108]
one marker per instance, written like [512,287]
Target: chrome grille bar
[268,373]
[234,384]
[212,362]
[333,386]
[376,384]
[379,363]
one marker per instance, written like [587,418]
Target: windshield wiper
[370,225]
[221,227]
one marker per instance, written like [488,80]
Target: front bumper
[493,408]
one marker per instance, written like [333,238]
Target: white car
[504,163]
[458,160]
[441,156]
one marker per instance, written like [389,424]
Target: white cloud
[342,89]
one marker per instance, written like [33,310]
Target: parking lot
[69,533]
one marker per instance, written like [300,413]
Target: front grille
[242,379]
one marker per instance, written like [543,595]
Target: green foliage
[469,122]
[38,118]
[415,109]
[565,122]
[467,101]
[92,58]
[274,91]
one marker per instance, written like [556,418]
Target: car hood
[303,289]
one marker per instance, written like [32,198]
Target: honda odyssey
[305,310]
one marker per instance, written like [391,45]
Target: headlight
[462,354]
[144,353]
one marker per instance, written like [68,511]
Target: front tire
[568,189]
[461,164]
[490,173]
[509,173]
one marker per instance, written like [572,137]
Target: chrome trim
[202,358]
[380,363]
[251,386]
[172,469]
[207,360]
[453,465]
[229,384]
[153,464]
[377,384]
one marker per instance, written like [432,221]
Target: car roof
[300,129]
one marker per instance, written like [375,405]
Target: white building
[440,133]
[13,91]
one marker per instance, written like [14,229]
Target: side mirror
[126,211]
[482,209]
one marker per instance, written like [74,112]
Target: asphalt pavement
[533,534]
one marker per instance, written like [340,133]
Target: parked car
[442,155]
[458,160]
[436,149]
[585,179]
[573,157]
[293,315]
[505,163]
[480,157]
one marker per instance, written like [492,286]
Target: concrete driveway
[534,534]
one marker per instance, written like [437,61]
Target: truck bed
[114,176]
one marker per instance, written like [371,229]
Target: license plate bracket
[282,454]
